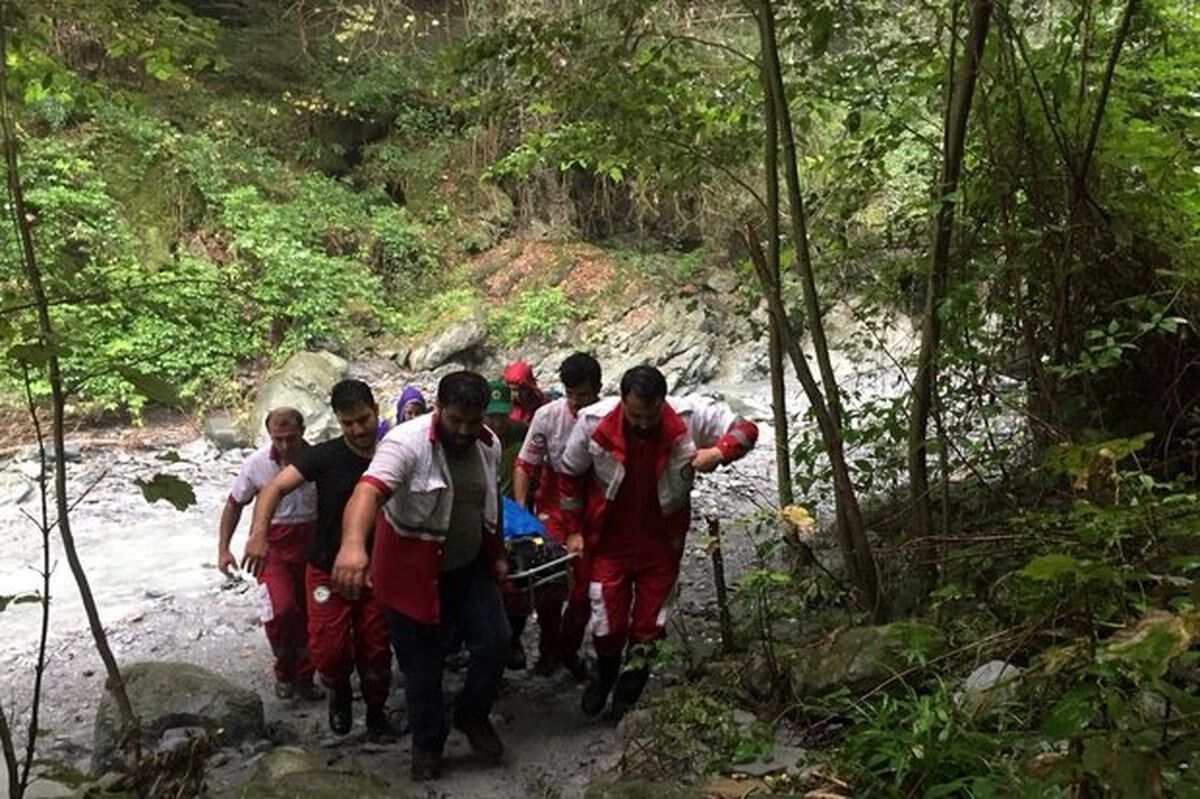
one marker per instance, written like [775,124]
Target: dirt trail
[162,599]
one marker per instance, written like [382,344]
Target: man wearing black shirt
[342,633]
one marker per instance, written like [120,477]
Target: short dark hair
[580,368]
[464,389]
[348,394]
[644,382]
[284,412]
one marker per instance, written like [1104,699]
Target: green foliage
[401,256]
[169,487]
[921,741]
[545,313]
[18,599]
[695,730]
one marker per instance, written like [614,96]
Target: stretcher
[534,560]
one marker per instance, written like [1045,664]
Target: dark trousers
[472,611]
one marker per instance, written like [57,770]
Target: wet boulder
[862,656]
[170,696]
[303,383]
[292,773]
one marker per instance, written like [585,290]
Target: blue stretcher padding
[520,523]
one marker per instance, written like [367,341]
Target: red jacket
[525,404]
[594,467]
[409,469]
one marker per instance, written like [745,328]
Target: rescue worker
[561,626]
[511,433]
[526,395]
[436,563]
[284,536]
[626,500]
[344,634]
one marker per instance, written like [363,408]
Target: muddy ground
[161,598]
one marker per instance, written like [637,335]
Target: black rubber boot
[341,713]
[629,689]
[595,696]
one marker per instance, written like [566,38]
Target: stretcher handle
[567,558]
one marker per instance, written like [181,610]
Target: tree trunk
[47,339]
[10,757]
[859,559]
[783,450]
[869,590]
[939,271]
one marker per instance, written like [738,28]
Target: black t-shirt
[335,468]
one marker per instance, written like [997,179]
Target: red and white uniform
[286,618]
[562,627]
[714,424]
[542,453]
[630,497]
[410,470]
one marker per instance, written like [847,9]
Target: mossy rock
[168,696]
[861,656]
[291,773]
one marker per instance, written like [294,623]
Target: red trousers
[629,593]
[570,620]
[345,635]
[287,626]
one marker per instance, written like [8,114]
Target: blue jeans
[472,612]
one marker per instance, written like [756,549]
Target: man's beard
[645,432]
[453,444]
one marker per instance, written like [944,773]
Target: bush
[545,313]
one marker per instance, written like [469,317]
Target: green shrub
[543,313]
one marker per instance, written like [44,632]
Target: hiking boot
[307,689]
[595,696]
[380,729]
[284,690]
[516,656]
[426,765]
[546,666]
[481,735]
[341,714]
[629,689]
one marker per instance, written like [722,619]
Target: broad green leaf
[1071,713]
[1149,646]
[1046,568]
[34,353]
[169,487]
[820,31]
[19,599]
[152,387]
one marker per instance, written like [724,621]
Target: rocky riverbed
[152,569]
[161,598]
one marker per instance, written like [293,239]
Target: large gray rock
[15,488]
[168,696]
[680,337]
[221,431]
[454,343]
[303,383]
[291,773]
[993,683]
[862,656]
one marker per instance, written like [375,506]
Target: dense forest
[198,189]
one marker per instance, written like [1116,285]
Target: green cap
[501,398]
